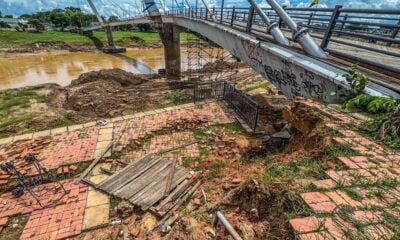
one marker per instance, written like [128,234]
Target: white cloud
[18,7]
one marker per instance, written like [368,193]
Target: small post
[222,10]
[331,26]
[256,120]
[250,19]
[197,1]
[233,15]
[310,19]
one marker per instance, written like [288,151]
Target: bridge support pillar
[110,38]
[172,51]
[111,48]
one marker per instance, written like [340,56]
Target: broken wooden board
[144,181]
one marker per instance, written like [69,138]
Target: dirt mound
[117,75]
[261,207]
[102,98]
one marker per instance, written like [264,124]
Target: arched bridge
[303,52]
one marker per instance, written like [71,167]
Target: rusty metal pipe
[220,216]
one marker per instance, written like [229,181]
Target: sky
[129,7]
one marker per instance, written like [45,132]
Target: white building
[13,22]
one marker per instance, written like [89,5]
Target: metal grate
[243,105]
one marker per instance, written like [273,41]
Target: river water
[61,68]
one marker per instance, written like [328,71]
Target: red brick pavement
[61,220]
[371,165]
[134,130]
[62,149]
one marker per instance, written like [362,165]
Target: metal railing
[374,31]
[243,105]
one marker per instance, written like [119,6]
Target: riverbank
[24,42]
[97,95]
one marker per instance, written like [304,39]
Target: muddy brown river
[61,68]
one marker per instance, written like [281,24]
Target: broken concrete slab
[96,216]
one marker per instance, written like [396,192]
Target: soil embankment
[93,96]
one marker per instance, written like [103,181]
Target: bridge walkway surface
[378,75]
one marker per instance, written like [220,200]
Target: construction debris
[142,183]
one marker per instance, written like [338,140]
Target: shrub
[176,97]
[356,79]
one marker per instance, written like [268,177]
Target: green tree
[60,19]
[144,27]
[4,25]
[37,24]
[113,19]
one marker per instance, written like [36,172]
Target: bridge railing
[373,31]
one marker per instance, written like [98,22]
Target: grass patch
[186,162]
[12,233]
[257,86]
[18,98]
[176,97]
[16,120]
[22,38]
[216,169]
[60,122]
[114,202]
[11,101]
[339,150]
[304,167]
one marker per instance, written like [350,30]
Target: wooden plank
[95,161]
[170,178]
[132,174]
[156,197]
[127,171]
[135,174]
[177,204]
[133,187]
[175,194]
[122,172]
[156,186]
[147,202]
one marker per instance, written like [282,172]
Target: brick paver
[168,141]
[371,165]
[63,218]
[133,131]
[62,149]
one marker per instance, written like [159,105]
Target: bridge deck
[377,75]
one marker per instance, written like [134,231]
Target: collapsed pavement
[278,183]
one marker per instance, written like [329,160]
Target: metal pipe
[300,35]
[271,27]
[220,216]
[208,10]
[95,11]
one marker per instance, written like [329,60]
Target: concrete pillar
[172,51]
[110,38]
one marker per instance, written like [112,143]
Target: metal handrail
[330,25]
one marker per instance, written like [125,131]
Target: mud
[258,210]
[51,46]
[38,47]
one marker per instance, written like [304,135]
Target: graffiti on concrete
[283,79]
[286,78]
[312,89]
[283,74]
[252,52]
